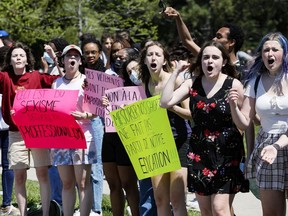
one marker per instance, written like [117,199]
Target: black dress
[216,145]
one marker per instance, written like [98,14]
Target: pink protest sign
[44,120]
[98,82]
[119,97]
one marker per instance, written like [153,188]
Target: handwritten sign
[98,82]
[118,97]
[44,120]
[145,132]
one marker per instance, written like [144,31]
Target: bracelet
[276,146]
[87,116]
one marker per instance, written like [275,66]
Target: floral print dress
[216,146]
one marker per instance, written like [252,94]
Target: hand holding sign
[44,118]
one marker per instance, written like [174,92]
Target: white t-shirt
[272,109]
[85,124]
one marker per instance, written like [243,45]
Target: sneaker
[9,210]
[55,209]
[35,210]
[193,204]
[92,213]
[77,212]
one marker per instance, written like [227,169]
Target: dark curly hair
[30,58]
[236,33]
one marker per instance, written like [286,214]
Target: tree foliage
[37,21]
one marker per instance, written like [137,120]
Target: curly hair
[236,33]
[30,59]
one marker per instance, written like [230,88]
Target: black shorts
[182,148]
[113,150]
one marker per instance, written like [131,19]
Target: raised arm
[183,31]
[172,93]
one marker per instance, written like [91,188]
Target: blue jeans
[7,174]
[97,169]
[56,185]
[147,202]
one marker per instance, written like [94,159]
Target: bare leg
[178,184]
[222,203]
[82,173]
[43,178]
[20,176]
[273,202]
[116,192]
[205,205]
[129,183]
[67,176]
[161,187]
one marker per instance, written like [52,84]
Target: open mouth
[209,68]
[153,65]
[72,63]
[270,61]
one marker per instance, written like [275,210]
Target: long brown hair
[228,68]
[144,73]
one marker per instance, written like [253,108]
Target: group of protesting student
[212,100]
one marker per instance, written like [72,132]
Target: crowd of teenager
[213,99]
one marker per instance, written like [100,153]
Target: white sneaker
[77,212]
[9,210]
[193,204]
[92,213]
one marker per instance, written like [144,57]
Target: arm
[269,153]
[183,111]
[172,93]
[52,54]
[183,31]
[242,111]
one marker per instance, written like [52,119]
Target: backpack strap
[256,84]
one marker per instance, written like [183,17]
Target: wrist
[276,146]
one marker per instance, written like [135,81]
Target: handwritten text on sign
[118,97]
[98,82]
[146,134]
[44,120]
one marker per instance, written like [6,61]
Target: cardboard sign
[146,134]
[98,82]
[44,120]
[119,97]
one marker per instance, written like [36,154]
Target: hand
[181,66]
[233,97]
[171,12]
[105,101]
[44,65]
[50,51]
[79,115]
[12,112]
[269,154]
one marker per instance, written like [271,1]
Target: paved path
[245,204]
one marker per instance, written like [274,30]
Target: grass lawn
[33,195]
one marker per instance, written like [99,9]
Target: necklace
[71,78]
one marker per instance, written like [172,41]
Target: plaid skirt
[268,176]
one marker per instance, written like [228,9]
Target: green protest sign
[146,134]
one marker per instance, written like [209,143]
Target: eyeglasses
[93,52]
